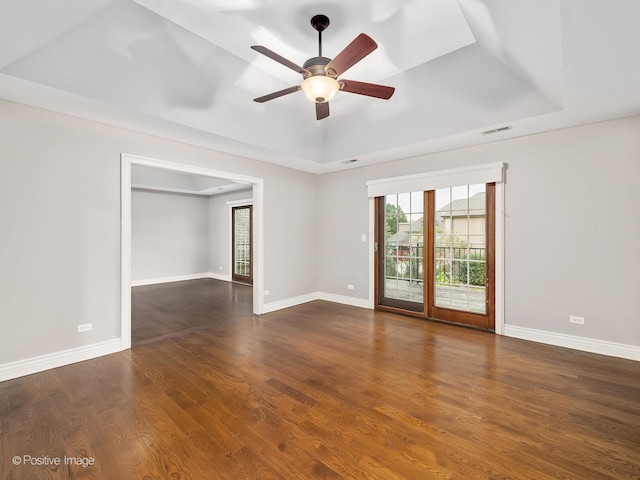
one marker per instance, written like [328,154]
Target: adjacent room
[350,240]
[191,229]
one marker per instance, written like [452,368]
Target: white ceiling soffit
[184,70]
[150,178]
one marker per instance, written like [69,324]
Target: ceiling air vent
[496,130]
[347,162]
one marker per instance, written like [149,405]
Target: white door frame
[127,161]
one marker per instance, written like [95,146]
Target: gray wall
[60,217]
[571,227]
[169,234]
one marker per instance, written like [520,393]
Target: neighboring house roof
[458,208]
[405,231]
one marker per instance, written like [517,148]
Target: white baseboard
[41,363]
[591,345]
[58,359]
[218,276]
[180,278]
[289,302]
[310,297]
[343,299]
[177,278]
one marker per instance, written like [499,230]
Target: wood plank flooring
[331,392]
[166,310]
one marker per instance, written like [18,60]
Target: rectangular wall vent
[496,130]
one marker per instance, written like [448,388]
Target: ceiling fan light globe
[320,88]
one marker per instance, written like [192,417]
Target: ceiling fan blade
[359,48]
[369,89]
[280,59]
[277,94]
[322,110]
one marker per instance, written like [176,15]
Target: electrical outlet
[265,293]
[350,287]
[86,327]
[578,320]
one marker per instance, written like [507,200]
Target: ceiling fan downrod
[320,23]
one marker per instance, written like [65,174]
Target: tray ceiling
[184,69]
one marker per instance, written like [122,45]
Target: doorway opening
[257,263]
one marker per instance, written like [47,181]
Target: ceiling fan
[320,74]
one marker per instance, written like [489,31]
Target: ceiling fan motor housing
[316,65]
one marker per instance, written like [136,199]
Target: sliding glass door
[461,252]
[435,254]
[401,251]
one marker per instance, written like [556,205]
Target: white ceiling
[184,69]
[150,178]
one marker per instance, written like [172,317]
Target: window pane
[242,245]
[417,201]
[460,257]
[443,198]
[404,246]
[460,198]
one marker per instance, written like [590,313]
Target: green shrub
[477,270]
[391,270]
[442,278]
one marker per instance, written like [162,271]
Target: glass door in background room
[241,219]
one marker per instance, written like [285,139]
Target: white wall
[571,227]
[60,217]
[169,235]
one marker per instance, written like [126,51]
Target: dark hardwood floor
[163,311]
[324,391]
